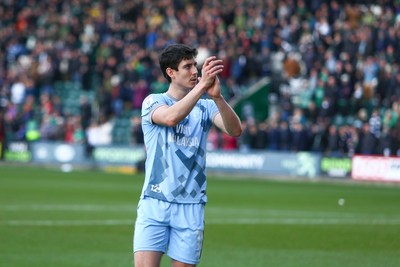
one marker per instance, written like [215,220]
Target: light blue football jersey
[176,156]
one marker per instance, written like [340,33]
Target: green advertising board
[336,167]
[17,152]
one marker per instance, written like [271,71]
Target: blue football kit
[170,215]
[176,156]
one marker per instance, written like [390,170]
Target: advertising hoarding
[57,152]
[336,167]
[302,164]
[375,168]
[16,152]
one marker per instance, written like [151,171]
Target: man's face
[186,75]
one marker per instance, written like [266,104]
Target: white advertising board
[374,168]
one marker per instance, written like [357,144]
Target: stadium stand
[333,67]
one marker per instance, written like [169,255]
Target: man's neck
[177,93]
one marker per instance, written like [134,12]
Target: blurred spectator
[375,127]
[213,141]
[140,91]
[85,112]
[229,142]
[299,137]
[285,136]
[2,132]
[93,134]
[17,92]
[105,136]
[274,137]
[332,141]
[261,141]
[52,127]
[137,131]
[257,135]
[367,140]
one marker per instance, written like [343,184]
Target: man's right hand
[211,68]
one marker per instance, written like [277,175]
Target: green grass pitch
[86,218]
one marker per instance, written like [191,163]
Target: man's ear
[170,73]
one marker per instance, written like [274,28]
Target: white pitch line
[237,221]
[209,210]
[291,213]
[232,215]
[306,221]
[67,222]
[77,207]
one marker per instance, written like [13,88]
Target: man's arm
[171,115]
[227,120]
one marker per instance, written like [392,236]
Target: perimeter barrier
[130,159]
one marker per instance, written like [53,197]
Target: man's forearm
[177,112]
[230,120]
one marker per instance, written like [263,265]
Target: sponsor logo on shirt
[148,102]
[180,137]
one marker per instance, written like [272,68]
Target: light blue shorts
[172,228]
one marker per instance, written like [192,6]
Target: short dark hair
[172,55]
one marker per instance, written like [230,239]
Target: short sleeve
[150,103]
[213,109]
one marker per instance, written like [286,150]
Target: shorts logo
[156,188]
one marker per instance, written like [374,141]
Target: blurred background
[316,84]
[309,76]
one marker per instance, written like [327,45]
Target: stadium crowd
[333,67]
